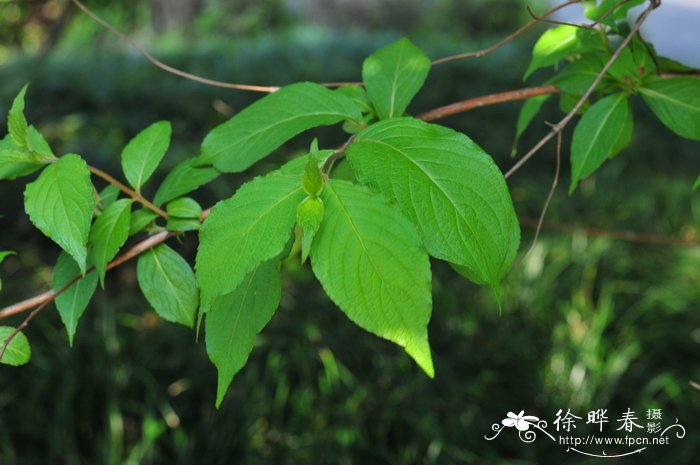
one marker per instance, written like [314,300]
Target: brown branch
[557,128]
[136,250]
[34,313]
[500,44]
[464,106]
[540,220]
[128,191]
[631,236]
[486,100]
[160,237]
[25,305]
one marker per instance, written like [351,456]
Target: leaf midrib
[172,284]
[599,129]
[440,189]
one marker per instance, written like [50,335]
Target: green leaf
[108,235]
[168,283]
[448,186]
[109,195]
[560,42]
[143,153]
[370,261]
[72,302]
[183,179]
[358,94]
[311,179]
[183,215]
[676,102]
[60,203]
[236,318]
[38,145]
[184,207]
[529,110]
[251,227]
[18,351]
[182,224]
[595,10]
[309,216]
[140,219]
[16,122]
[602,132]
[16,161]
[393,75]
[567,102]
[265,125]
[697,183]
[577,77]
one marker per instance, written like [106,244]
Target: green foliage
[251,227]
[604,130]
[560,42]
[143,153]
[108,234]
[140,219]
[527,113]
[262,127]
[676,102]
[310,214]
[23,150]
[183,179]
[450,188]
[60,203]
[235,319]
[18,351]
[108,196]
[408,190]
[15,161]
[16,122]
[311,179]
[37,145]
[393,75]
[371,263]
[183,214]
[168,283]
[609,11]
[72,302]
[578,76]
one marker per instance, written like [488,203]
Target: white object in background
[673,28]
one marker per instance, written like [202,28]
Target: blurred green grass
[586,323]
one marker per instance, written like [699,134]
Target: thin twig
[128,191]
[184,74]
[158,238]
[339,154]
[34,313]
[631,236]
[501,43]
[486,100]
[582,26]
[561,124]
[168,68]
[25,305]
[136,250]
[545,207]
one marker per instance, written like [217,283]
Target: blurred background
[587,322]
